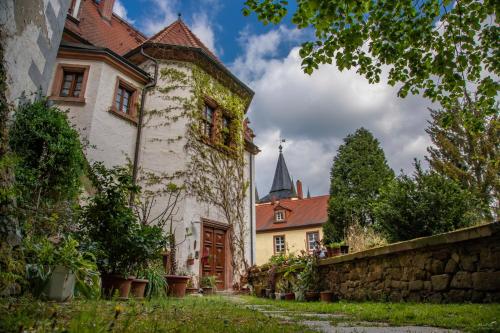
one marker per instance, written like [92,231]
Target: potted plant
[333,249]
[56,269]
[308,280]
[344,248]
[191,289]
[209,284]
[327,296]
[121,243]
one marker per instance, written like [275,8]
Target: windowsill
[124,116]
[228,150]
[279,222]
[78,100]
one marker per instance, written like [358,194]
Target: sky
[312,113]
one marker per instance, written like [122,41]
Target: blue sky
[223,17]
[313,113]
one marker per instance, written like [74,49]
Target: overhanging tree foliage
[467,156]
[443,48]
[423,205]
[359,170]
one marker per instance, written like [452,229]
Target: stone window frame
[58,82]
[275,244]
[131,116]
[307,239]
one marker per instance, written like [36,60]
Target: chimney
[300,194]
[106,8]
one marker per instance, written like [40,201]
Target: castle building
[286,221]
[139,100]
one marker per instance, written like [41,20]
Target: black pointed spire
[282,183]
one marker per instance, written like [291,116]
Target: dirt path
[334,322]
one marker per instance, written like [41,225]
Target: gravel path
[322,322]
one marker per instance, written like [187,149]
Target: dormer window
[279,216]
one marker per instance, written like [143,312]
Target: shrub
[121,244]
[50,154]
[423,205]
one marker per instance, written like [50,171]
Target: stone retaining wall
[459,266]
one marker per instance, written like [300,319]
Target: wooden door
[214,252]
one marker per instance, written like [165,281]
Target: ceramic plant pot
[177,285]
[333,252]
[138,287]
[327,296]
[208,291]
[311,296]
[289,296]
[112,284]
[61,285]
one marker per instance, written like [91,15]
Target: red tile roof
[178,33]
[117,34]
[304,213]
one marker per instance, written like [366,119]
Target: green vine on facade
[215,171]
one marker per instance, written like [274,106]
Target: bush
[121,244]
[423,205]
[50,154]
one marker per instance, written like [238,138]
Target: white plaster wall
[32,31]
[160,156]
[111,139]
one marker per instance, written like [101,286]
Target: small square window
[279,216]
[72,84]
[279,244]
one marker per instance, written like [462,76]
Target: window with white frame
[312,240]
[279,244]
[279,216]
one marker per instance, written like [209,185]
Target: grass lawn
[466,317]
[191,314]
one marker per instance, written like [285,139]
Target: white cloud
[204,30]
[314,113]
[167,12]
[164,13]
[120,10]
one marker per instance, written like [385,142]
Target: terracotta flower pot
[327,296]
[289,296]
[138,287]
[208,291]
[112,283]
[333,252]
[311,296]
[190,291]
[176,285]
[258,290]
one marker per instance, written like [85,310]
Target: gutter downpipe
[252,206]
[151,84]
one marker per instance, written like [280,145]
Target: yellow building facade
[295,242]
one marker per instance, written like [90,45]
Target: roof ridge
[127,23]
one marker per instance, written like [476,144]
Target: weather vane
[280,146]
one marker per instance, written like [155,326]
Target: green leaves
[442,49]
[423,205]
[358,172]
